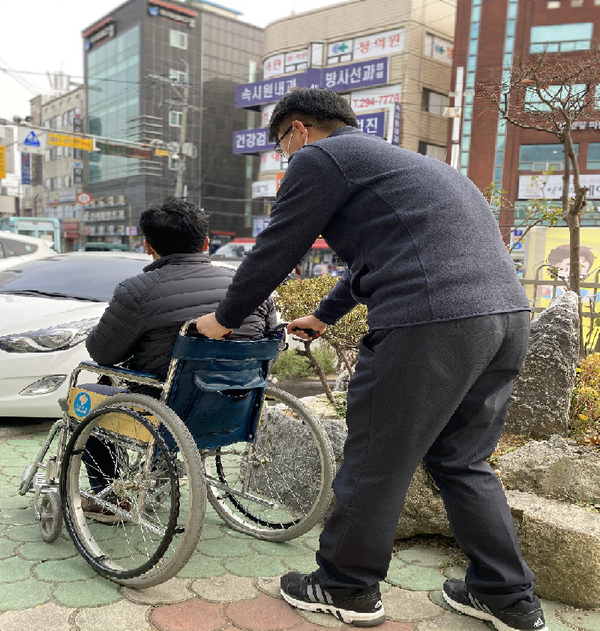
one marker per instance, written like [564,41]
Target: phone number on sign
[375,100]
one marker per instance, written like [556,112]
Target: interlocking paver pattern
[231,582]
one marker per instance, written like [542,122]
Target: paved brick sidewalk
[231,582]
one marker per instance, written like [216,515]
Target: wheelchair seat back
[218,387]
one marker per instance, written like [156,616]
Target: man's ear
[206,244]
[149,249]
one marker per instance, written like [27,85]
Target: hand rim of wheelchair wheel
[74,518]
[227,505]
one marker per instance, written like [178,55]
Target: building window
[576,3]
[561,38]
[67,181]
[179,39]
[575,95]
[433,151]
[434,103]
[553,4]
[593,158]
[177,75]
[173,164]
[542,157]
[175,119]
[48,184]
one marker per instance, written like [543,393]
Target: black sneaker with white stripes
[362,608]
[522,616]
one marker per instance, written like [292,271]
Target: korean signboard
[373,123]
[384,43]
[375,97]
[104,30]
[251,141]
[273,66]
[297,60]
[259,224]
[264,188]
[551,186]
[61,140]
[339,79]
[439,49]
[266,113]
[2,162]
[358,75]
[172,12]
[270,161]
[397,124]
[25,168]
[252,94]
[255,140]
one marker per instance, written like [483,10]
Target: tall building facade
[154,68]
[391,59]
[489,150]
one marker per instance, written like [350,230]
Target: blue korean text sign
[343,78]
[252,141]
[373,124]
[25,168]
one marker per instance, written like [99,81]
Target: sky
[41,36]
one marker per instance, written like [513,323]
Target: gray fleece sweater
[420,241]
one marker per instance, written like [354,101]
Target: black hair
[175,227]
[324,109]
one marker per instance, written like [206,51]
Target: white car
[19,248]
[48,307]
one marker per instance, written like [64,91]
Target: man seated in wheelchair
[140,325]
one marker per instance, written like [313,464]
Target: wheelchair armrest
[121,373]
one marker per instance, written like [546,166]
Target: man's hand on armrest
[209,326]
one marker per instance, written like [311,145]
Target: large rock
[553,469]
[423,512]
[542,393]
[561,544]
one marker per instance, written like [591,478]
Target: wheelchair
[132,473]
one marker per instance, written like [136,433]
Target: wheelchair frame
[226,497]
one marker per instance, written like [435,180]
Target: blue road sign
[32,140]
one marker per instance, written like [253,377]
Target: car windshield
[233,250]
[81,277]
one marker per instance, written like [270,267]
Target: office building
[154,68]
[391,59]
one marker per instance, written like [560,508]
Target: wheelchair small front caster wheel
[50,516]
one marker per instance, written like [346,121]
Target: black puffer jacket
[141,321]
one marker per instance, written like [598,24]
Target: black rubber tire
[300,498]
[181,467]
[51,520]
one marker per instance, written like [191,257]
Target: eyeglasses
[277,149]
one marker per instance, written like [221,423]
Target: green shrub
[584,415]
[291,364]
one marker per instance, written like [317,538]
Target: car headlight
[54,338]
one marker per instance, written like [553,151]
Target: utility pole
[182,131]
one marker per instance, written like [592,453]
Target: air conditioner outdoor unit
[99,203]
[110,201]
[121,199]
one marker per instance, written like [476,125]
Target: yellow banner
[2,162]
[161,152]
[71,141]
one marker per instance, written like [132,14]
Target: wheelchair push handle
[310,332]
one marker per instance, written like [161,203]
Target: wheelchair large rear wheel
[133,491]
[278,486]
